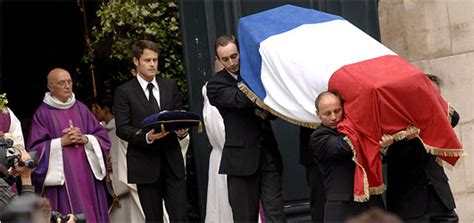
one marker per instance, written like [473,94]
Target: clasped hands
[158,135]
[73,135]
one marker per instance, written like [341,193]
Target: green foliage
[122,23]
[3,101]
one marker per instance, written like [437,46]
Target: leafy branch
[122,23]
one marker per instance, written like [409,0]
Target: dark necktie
[151,99]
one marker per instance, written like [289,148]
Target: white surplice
[14,132]
[130,209]
[217,208]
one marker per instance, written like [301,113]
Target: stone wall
[437,36]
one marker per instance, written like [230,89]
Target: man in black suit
[314,178]
[418,188]
[154,159]
[250,158]
[334,157]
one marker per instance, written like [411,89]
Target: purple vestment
[4,121]
[81,191]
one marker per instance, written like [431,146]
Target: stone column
[437,36]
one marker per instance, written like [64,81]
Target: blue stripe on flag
[254,29]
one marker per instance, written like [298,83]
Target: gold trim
[378,190]
[447,165]
[162,127]
[360,198]
[200,127]
[181,120]
[365,197]
[444,152]
[431,149]
[253,97]
[452,152]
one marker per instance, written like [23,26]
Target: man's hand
[182,132]
[70,220]
[77,137]
[386,141]
[154,136]
[65,139]
[73,135]
[24,172]
[412,132]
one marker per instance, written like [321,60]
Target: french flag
[298,49]
[289,55]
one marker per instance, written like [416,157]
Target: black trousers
[245,192]
[171,189]
[436,211]
[317,194]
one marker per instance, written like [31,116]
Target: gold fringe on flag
[431,149]
[253,97]
[365,197]
[378,190]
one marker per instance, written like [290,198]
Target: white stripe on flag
[297,64]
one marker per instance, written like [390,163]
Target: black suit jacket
[334,157]
[130,108]
[306,158]
[245,133]
[410,171]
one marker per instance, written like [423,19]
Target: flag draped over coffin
[288,55]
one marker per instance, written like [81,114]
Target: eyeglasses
[64,83]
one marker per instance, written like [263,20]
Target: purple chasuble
[4,121]
[81,192]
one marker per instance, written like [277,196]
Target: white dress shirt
[144,84]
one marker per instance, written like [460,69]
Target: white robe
[130,209]
[14,133]
[217,208]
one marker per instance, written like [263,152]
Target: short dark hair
[435,79]
[140,46]
[104,100]
[320,96]
[223,41]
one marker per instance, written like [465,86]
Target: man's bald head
[60,84]
[54,73]
[329,109]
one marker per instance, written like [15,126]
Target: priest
[72,148]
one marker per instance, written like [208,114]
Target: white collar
[233,75]
[110,125]
[144,84]
[54,102]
